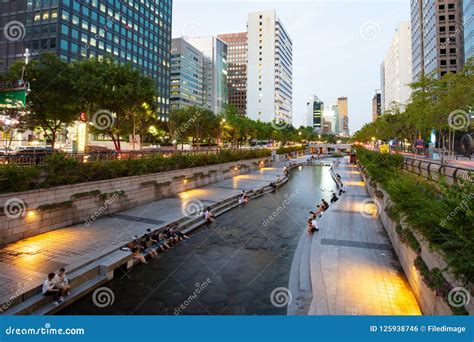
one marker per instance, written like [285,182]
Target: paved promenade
[25,264]
[349,266]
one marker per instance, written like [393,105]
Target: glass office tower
[130,31]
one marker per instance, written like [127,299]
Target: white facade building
[396,69]
[269,69]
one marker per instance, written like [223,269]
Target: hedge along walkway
[354,269]
[25,264]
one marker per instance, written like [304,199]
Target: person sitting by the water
[209,216]
[325,205]
[150,243]
[138,256]
[50,290]
[311,227]
[163,240]
[168,235]
[243,199]
[181,236]
[319,210]
[334,198]
[62,283]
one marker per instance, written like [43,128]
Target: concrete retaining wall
[136,190]
[429,302]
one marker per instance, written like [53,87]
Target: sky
[338,45]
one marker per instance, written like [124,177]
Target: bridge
[328,148]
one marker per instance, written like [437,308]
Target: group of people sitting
[57,286]
[153,242]
[312,226]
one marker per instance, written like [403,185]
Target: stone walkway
[352,268]
[25,264]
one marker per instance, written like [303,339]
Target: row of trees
[440,104]
[120,101]
[202,127]
[59,92]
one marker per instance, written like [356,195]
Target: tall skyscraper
[376,105]
[269,69]
[397,69]
[130,31]
[186,75]
[437,38]
[468,18]
[314,114]
[237,69]
[343,114]
[215,91]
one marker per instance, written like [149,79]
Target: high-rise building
[269,69]
[376,105]
[186,75]
[343,114]
[330,120]
[237,69]
[437,38]
[135,32]
[468,19]
[314,114]
[215,91]
[397,69]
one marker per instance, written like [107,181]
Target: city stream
[230,267]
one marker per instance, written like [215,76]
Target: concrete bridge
[328,148]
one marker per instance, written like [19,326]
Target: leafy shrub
[443,215]
[63,170]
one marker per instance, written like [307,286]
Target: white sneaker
[56,303]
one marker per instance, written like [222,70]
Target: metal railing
[436,171]
[39,158]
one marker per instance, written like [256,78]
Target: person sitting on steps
[209,216]
[62,283]
[50,290]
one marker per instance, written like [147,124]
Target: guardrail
[39,158]
[436,171]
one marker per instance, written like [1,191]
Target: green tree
[52,103]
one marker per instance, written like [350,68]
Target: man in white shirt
[61,282]
[50,290]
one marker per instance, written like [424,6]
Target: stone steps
[82,281]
